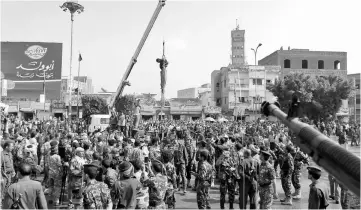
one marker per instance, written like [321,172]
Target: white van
[99,121]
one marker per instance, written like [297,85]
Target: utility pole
[72,7]
[77,100]
[255,87]
[44,94]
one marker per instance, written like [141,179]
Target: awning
[147,114]
[26,110]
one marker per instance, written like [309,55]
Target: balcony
[238,87]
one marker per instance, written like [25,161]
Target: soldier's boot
[231,206]
[275,196]
[189,183]
[297,194]
[283,200]
[288,201]
[222,205]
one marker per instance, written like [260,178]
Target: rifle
[343,165]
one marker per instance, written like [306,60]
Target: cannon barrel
[336,160]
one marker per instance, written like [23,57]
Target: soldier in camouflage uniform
[349,200]
[96,195]
[191,152]
[266,177]
[172,179]
[75,178]
[157,184]
[204,177]
[180,161]
[226,176]
[287,167]
[299,159]
[55,172]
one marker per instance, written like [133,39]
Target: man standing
[287,168]
[335,194]
[266,177]
[180,160]
[191,152]
[318,198]
[247,182]
[26,192]
[300,158]
[96,194]
[204,177]
[125,190]
[7,166]
[227,178]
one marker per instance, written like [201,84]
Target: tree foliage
[320,96]
[93,105]
[126,104]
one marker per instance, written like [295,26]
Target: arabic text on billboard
[31,61]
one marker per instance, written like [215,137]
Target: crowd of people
[45,163]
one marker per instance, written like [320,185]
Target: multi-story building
[237,43]
[355,105]
[308,62]
[89,89]
[193,92]
[243,87]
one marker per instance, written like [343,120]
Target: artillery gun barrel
[336,160]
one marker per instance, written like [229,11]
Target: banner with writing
[31,61]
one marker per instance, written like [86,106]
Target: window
[225,83]
[104,121]
[257,81]
[268,81]
[336,65]
[217,85]
[225,100]
[241,99]
[286,64]
[357,101]
[321,64]
[304,64]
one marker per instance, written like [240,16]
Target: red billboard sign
[31,61]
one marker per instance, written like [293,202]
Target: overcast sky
[197,35]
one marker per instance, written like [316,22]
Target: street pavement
[189,200]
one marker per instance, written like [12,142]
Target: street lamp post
[72,7]
[255,86]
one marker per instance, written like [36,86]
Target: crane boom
[121,86]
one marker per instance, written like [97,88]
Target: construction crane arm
[132,62]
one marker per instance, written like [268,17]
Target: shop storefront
[58,109]
[164,114]
[186,109]
[148,113]
[212,111]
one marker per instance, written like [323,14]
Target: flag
[80,58]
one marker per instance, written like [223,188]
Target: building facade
[193,92]
[243,87]
[237,44]
[320,63]
[354,106]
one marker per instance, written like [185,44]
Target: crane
[133,60]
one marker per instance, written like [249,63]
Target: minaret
[237,43]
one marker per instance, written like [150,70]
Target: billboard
[31,61]
[26,63]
